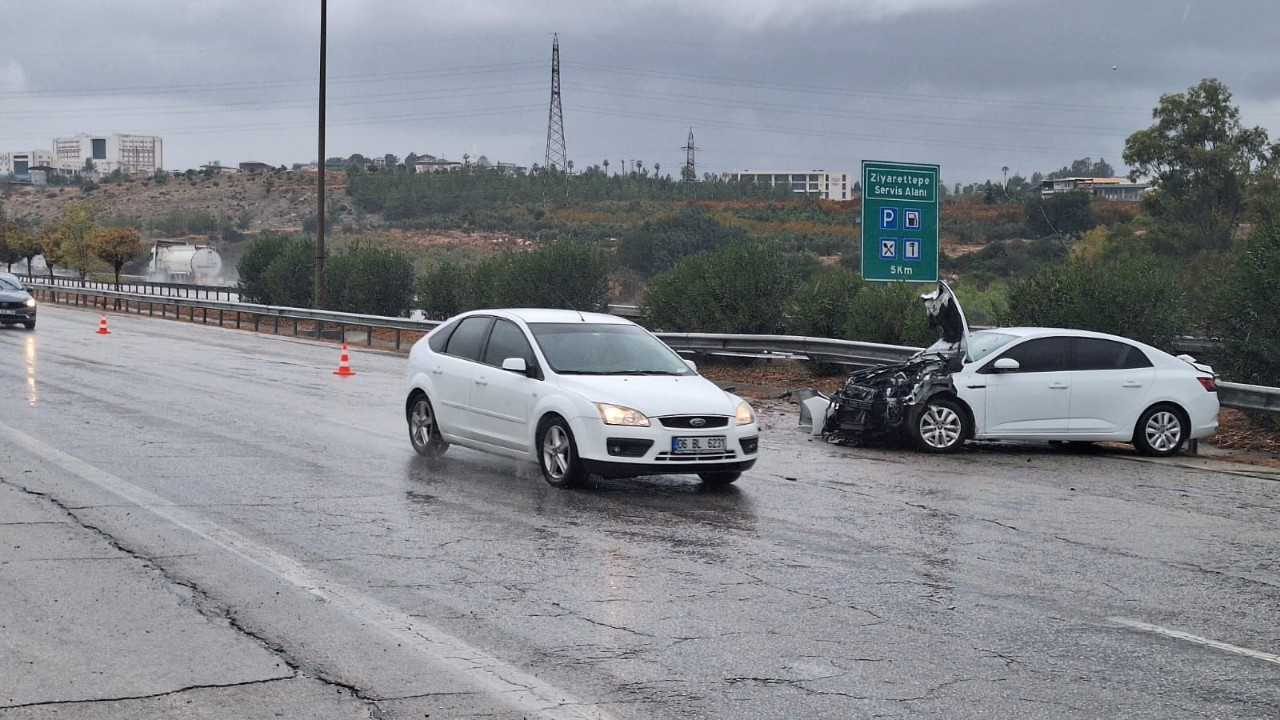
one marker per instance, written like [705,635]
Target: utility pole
[690,167]
[556,156]
[319,300]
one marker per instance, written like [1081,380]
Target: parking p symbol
[888,218]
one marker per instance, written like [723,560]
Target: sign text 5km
[899,221]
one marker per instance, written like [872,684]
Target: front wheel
[29,324]
[1160,432]
[718,478]
[424,431]
[940,426]
[558,455]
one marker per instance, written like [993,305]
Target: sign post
[899,222]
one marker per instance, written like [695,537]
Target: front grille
[12,304]
[686,422]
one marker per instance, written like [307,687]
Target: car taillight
[1208,383]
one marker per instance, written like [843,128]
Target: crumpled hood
[945,313]
[654,395]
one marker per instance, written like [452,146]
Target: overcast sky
[971,85]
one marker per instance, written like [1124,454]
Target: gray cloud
[973,85]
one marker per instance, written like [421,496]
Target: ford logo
[697,422]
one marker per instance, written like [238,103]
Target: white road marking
[1178,634]
[523,691]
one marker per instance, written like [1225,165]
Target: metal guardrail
[1249,397]
[276,319]
[134,285]
[322,323]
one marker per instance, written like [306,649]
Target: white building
[428,163]
[1115,188]
[141,154]
[20,163]
[812,183]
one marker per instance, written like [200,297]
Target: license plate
[697,445]
[8,312]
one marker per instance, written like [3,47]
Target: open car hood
[945,313]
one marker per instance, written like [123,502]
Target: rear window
[1100,354]
[468,339]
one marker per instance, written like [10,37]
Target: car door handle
[481,381]
[1059,386]
[975,387]
[437,370]
[1131,384]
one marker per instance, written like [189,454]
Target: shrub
[742,288]
[1242,313]
[371,281]
[1142,297]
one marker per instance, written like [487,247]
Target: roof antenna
[566,302]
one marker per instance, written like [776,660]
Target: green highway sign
[899,222]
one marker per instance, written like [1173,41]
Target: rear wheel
[558,454]
[424,432]
[1160,431]
[940,426]
[718,478]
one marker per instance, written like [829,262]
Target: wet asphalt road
[274,543]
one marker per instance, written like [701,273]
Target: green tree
[50,247]
[656,245]
[23,242]
[116,246]
[1242,312]
[1066,215]
[8,253]
[1084,168]
[253,265]
[1201,159]
[75,228]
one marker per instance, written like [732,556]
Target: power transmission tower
[690,167]
[556,156]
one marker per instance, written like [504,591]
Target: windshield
[605,349]
[9,282]
[985,342]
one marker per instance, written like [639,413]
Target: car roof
[1067,332]
[552,315]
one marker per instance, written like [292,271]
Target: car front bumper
[623,451]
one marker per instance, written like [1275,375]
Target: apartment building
[1115,188]
[811,183]
[140,154]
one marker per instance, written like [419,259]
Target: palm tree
[606,167]
[657,170]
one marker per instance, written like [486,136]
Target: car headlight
[745,414]
[618,415]
[30,302]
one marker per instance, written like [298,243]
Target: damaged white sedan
[1036,384]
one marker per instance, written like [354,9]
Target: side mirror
[1006,364]
[692,365]
[516,365]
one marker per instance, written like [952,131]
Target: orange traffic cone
[102,326]
[344,365]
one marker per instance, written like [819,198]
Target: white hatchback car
[578,393]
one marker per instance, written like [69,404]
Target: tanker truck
[178,261]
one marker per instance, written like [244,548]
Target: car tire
[714,479]
[424,430]
[558,453]
[939,426]
[1161,431]
[29,324]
